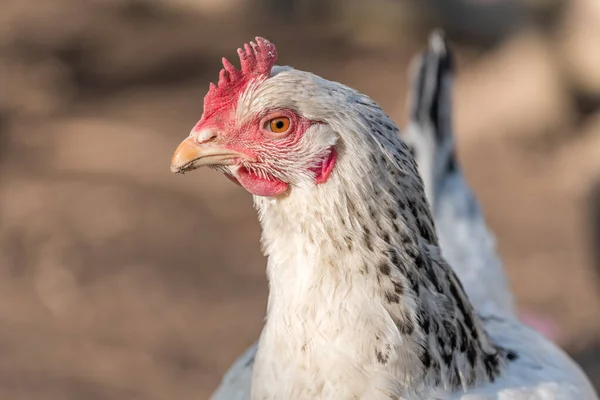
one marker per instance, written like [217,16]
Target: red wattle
[260,186]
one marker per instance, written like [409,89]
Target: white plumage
[361,304]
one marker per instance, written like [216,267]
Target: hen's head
[264,126]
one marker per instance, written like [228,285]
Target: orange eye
[278,125]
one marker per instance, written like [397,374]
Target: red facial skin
[259,144]
[260,147]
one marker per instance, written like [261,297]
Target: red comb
[256,60]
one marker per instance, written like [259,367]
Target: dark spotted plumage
[405,327]
[367,239]
[457,345]
[425,358]
[392,298]
[382,358]
[384,268]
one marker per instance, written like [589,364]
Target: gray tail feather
[430,134]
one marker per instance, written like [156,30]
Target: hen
[464,238]
[361,303]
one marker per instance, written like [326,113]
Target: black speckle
[385,269]
[402,205]
[367,239]
[411,250]
[386,238]
[413,281]
[447,358]
[436,328]
[470,325]
[393,254]
[372,212]
[390,127]
[425,231]
[406,239]
[392,213]
[458,282]
[352,208]
[492,366]
[407,327]
[392,298]
[451,333]
[441,342]
[463,310]
[423,321]
[425,358]
[365,269]
[349,242]
[398,288]
[425,266]
[471,354]
[416,288]
[462,340]
[435,366]
[366,103]
[381,357]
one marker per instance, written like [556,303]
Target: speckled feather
[362,305]
[464,237]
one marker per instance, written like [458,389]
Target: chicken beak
[190,155]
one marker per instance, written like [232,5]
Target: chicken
[361,302]
[464,238]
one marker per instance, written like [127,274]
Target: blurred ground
[119,280]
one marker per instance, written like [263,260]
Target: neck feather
[355,272]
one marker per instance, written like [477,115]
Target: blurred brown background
[119,280]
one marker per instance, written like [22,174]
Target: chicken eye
[278,125]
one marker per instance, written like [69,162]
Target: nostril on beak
[205,135]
